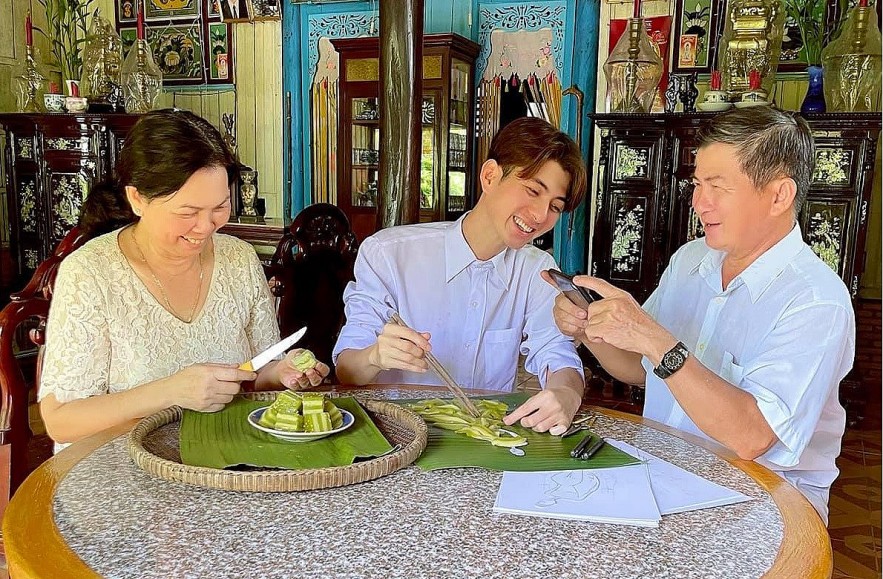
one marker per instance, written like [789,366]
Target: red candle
[715,80]
[637,12]
[140,32]
[29,30]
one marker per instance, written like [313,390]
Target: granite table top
[124,523]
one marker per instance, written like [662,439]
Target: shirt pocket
[730,370]
[500,358]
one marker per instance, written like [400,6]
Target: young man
[471,290]
[749,333]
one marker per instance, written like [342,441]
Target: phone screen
[578,295]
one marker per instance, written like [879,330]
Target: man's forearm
[724,412]
[623,365]
[354,367]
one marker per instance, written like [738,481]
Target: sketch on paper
[567,485]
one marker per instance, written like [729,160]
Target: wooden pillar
[401,99]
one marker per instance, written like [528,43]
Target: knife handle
[246,366]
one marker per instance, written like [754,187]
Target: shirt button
[701,347]
[467,345]
[474,304]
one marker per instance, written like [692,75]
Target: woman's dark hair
[160,153]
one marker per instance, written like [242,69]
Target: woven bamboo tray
[153,446]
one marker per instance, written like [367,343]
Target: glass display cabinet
[448,128]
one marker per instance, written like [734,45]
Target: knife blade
[270,353]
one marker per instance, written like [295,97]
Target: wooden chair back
[19,364]
[311,267]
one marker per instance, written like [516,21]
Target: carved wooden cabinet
[447,129]
[643,212]
[52,160]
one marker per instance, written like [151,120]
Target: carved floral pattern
[824,237]
[68,144]
[529,17]
[28,201]
[25,148]
[32,259]
[338,26]
[625,251]
[68,192]
[832,166]
[630,163]
[694,227]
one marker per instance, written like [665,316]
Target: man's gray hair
[769,143]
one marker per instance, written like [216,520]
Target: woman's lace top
[107,333]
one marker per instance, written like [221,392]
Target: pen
[590,452]
[581,446]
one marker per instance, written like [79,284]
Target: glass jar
[852,64]
[633,71]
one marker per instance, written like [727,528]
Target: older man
[749,333]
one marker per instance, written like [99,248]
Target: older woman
[162,311]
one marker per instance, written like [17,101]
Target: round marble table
[89,511]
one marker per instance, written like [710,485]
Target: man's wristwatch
[672,361]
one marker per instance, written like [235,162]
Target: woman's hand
[400,348]
[206,387]
[294,379]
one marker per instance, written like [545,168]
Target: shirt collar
[762,271]
[459,256]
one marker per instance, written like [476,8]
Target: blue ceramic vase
[814,101]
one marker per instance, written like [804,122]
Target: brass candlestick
[30,84]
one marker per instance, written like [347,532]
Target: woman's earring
[137,212]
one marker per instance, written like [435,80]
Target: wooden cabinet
[643,212]
[448,128]
[52,160]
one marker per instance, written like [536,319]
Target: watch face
[673,360]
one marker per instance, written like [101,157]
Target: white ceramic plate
[743,105]
[713,107]
[256,414]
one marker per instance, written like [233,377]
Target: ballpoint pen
[590,452]
[581,446]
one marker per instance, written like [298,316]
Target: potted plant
[809,16]
[66,32]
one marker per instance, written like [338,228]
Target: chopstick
[443,374]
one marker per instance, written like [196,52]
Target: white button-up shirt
[784,331]
[480,314]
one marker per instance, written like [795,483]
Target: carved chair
[309,271]
[30,306]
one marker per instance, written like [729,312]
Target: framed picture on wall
[219,53]
[267,10]
[127,11]
[236,10]
[166,10]
[698,25]
[178,51]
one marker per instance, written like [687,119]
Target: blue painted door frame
[303,24]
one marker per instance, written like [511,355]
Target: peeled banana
[448,414]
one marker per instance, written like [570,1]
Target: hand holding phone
[576,294]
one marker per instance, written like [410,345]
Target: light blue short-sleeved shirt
[480,314]
[784,331]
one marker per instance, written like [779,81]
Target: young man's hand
[400,348]
[552,410]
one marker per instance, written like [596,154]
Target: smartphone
[578,295]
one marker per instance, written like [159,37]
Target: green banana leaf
[226,439]
[447,449]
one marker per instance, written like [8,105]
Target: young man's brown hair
[527,143]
